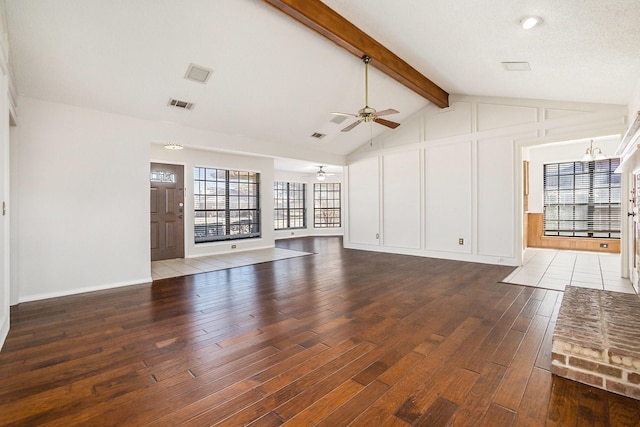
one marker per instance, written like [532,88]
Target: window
[290,205]
[326,205]
[227,204]
[582,199]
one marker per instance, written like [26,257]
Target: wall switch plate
[461,241]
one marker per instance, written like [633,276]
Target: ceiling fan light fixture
[321,175]
[528,22]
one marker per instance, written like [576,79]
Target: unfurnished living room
[306,212]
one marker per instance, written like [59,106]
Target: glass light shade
[529,22]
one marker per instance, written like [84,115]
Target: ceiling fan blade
[344,114]
[387,123]
[351,126]
[387,112]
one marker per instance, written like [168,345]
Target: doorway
[167,211]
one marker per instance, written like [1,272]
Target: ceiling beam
[324,20]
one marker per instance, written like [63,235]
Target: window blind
[582,199]
[290,205]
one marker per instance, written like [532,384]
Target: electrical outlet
[604,245]
[377,236]
[233,246]
[292,233]
[461,241]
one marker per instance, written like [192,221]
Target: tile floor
[552,269]
[184,266]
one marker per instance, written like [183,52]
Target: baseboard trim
[38,297]
[4,329]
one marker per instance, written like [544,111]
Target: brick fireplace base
[597,340]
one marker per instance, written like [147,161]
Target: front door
[167,211]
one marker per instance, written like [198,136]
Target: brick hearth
[597,340]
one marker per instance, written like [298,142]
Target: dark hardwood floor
[342,337]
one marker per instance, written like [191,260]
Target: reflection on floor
[552,269]
[184,266]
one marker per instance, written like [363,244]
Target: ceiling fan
[368,114]
[321,175]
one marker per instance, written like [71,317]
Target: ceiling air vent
[338,119]
[318,135]
[516,66]
[198,74]
[181,104]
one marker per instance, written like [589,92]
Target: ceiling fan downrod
[366,60]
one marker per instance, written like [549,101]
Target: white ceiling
[276,80]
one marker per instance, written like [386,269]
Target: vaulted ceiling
[276,80]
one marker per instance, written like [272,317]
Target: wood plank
[438,414]
[322,407]
[535,399]
[563,405]
[480,396]
[512,388]
[355,406]
[543,361]
[460,386]
[498,416]
[326,22]
[507,349]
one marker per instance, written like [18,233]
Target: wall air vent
[198,74]
[338,119]
[181,104]
[318,135]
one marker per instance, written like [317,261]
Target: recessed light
[529,22]
[173,146]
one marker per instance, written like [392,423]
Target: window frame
[237,216]
[291,205]
[322,213]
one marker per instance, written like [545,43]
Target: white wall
[6,109]
[81,186]
[363,203]
[401,191]
[5,232]
[634,103]
[461,169]
[83,200]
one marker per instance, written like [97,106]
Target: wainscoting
[535,239]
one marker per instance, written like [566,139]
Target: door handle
[631,214]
